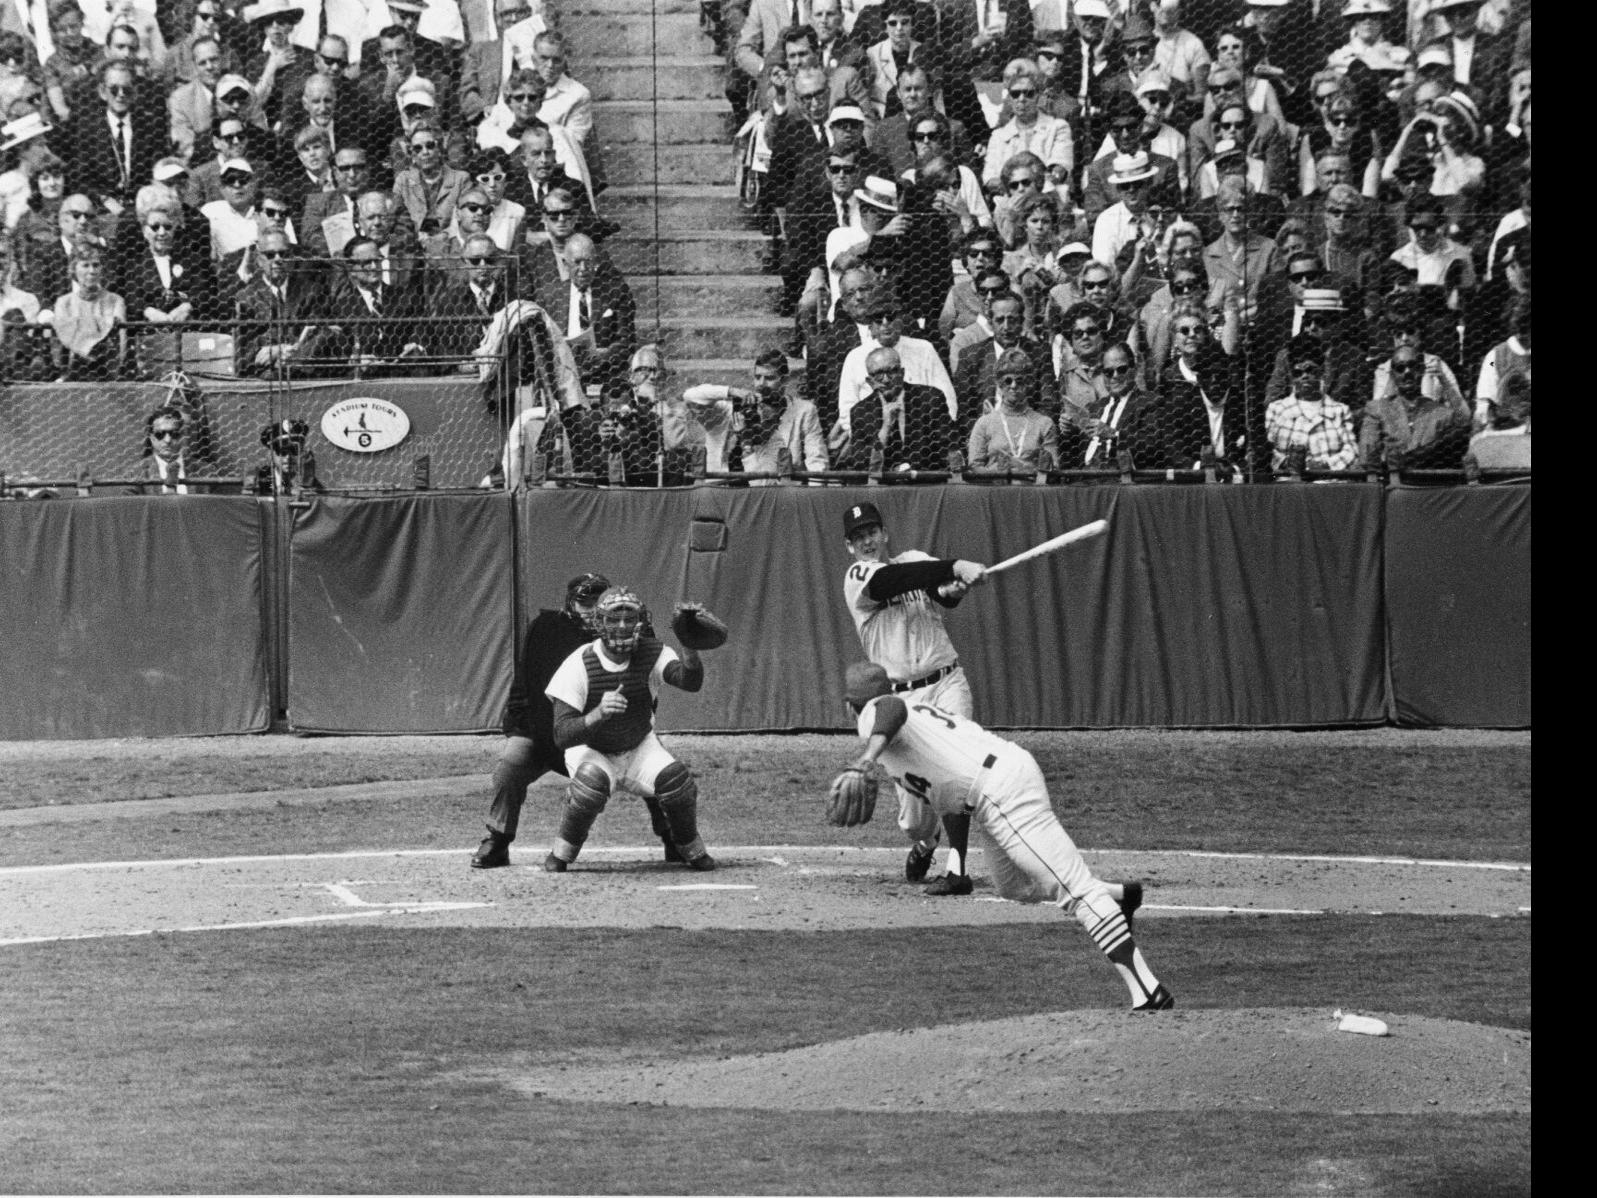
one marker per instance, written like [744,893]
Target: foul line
[635,850]
[365,913]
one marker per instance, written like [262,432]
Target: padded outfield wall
[1217,606]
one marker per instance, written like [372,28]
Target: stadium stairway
[686,245]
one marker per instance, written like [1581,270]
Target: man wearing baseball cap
[896,602]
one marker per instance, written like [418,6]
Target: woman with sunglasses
[1187,284]
[1341,131]
[1023,176]
[1346,250]
[1306,428]
[1030,130]
[1431,258]
[1201,384]
[163,283]
[1235,131]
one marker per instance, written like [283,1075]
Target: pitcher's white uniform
[905,636]
[951,764]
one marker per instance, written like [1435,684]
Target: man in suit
[418,55]
[1088,66]
[471,294]
[115,145]
[891,138]
[191,106]
[329,217]
[828,346]
[42,266]
[279,311]
[167,460]
[821,200]
[977,42]
[594,307]
[976,376]
[403,269]
[374,319]
[909,421]
[1130,421]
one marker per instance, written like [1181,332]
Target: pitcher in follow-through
[953,765]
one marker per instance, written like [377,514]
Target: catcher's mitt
[853,798]
[697,627]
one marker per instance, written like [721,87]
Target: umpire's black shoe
[1160,1000]
[554,865]
[951,884]
[492,853]
[704,863]
[919,862]
[1129,904]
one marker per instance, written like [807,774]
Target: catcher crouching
[604,697]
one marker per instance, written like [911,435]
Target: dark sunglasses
[1021,92]
[1115,372]
[925,135]
[1408,368]
[232,137]
[991,290]
[1094,331]
[331,61]
[560,213]
[1095,284]
[881,317]
[273,253]
[840,168]
[165,434]
[274,211]
[473,207]
[1015,379]
[424,145]
[1190,330]
[1342,118]
[479,261]
[1054,54]
[349,166]
[984,251]
[236,180]
[119,89]
[1020,184]
[1304,276]
[1341,212]
[1139,48]
[1187,288]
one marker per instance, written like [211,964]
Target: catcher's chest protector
[627,730]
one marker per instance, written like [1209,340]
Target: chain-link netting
[652,242]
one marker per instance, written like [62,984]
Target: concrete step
[618,77]
[697,163]
[730,296]
[690,252]
[679,206]
[673,122]
[737,337]
[663,34]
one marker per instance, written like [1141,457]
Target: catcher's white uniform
[905,636]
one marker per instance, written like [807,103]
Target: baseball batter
[952,764]
[529,751]
[896,602]
[604,697]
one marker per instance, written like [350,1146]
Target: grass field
[354,1058]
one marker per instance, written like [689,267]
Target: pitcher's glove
[697,627]
[853,798]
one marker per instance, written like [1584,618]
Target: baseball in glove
[697,627]
[853,798]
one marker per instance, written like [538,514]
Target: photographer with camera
[748,428]
[1446,130]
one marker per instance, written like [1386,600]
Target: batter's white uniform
[905,636]
[952,764]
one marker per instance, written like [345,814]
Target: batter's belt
[915,684]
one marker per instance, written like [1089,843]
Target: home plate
[708,886]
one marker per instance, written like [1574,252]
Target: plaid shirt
[1324,427]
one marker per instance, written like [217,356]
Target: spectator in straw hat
[1367,40]
[21,146]
[1128,225]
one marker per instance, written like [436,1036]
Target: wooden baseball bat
[1051,546]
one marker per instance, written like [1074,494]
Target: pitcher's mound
[1256,1059]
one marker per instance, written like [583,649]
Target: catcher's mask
[582,596]
[620,616]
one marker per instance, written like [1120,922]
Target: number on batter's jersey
[935,713]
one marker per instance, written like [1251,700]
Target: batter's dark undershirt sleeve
[683,676]
[571,726]
[900,578]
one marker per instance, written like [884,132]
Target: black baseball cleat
[704,863]
[1131,902]
[554,865]
[919,862]
[951,884]
[1160,1000]
[492,853]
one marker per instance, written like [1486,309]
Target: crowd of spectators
[1013,236]
[1252,236]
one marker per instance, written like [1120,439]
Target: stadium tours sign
[365,425]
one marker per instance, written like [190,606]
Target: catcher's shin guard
[678,796]
[657,820]
[586,797]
